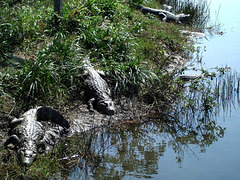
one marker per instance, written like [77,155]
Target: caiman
[29,136]
[166,16]
[97,91]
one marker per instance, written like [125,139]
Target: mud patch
[82,120]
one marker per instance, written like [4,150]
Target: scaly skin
[29,134]
[165,15]
[97,90]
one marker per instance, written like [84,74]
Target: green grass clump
[129,77]
[10,37]
[48,77]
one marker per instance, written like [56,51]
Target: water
[223,50]
[172,151]
[221,159]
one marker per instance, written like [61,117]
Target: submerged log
[165,16]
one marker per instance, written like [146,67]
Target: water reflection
[137,152]
[115,153]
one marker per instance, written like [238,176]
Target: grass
[119,39]
[47,76]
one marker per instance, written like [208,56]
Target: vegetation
[41,55]
[119,39]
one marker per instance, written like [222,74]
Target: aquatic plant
[205,97]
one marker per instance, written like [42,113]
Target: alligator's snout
[27,156]
[110,110]
[107,107]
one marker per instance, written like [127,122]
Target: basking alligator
[166,16]
[97,90]
[29,135]
[188,77]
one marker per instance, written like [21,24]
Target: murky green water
[196,147]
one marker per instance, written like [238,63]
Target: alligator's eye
[29,153]
[102,104]
[110,103]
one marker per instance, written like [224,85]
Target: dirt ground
[82,120]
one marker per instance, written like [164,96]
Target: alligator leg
[14,140]
[163,16]
[41,148]
[16,121]
[51,137]
[90,104]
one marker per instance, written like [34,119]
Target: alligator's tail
[49,114]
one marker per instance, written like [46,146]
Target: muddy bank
[134,109]
[82,120]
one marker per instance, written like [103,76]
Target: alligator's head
[183,17]
[26,149]
[27,156]
[107,106]
[28,153]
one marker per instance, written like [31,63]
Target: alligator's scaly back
[166,16]
[25,136]
[97,90]
[28,134]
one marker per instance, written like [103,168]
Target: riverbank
[42,53]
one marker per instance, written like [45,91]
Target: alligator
[188,77]
[166,16]
[29,136]
[97,91]
[167,7]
